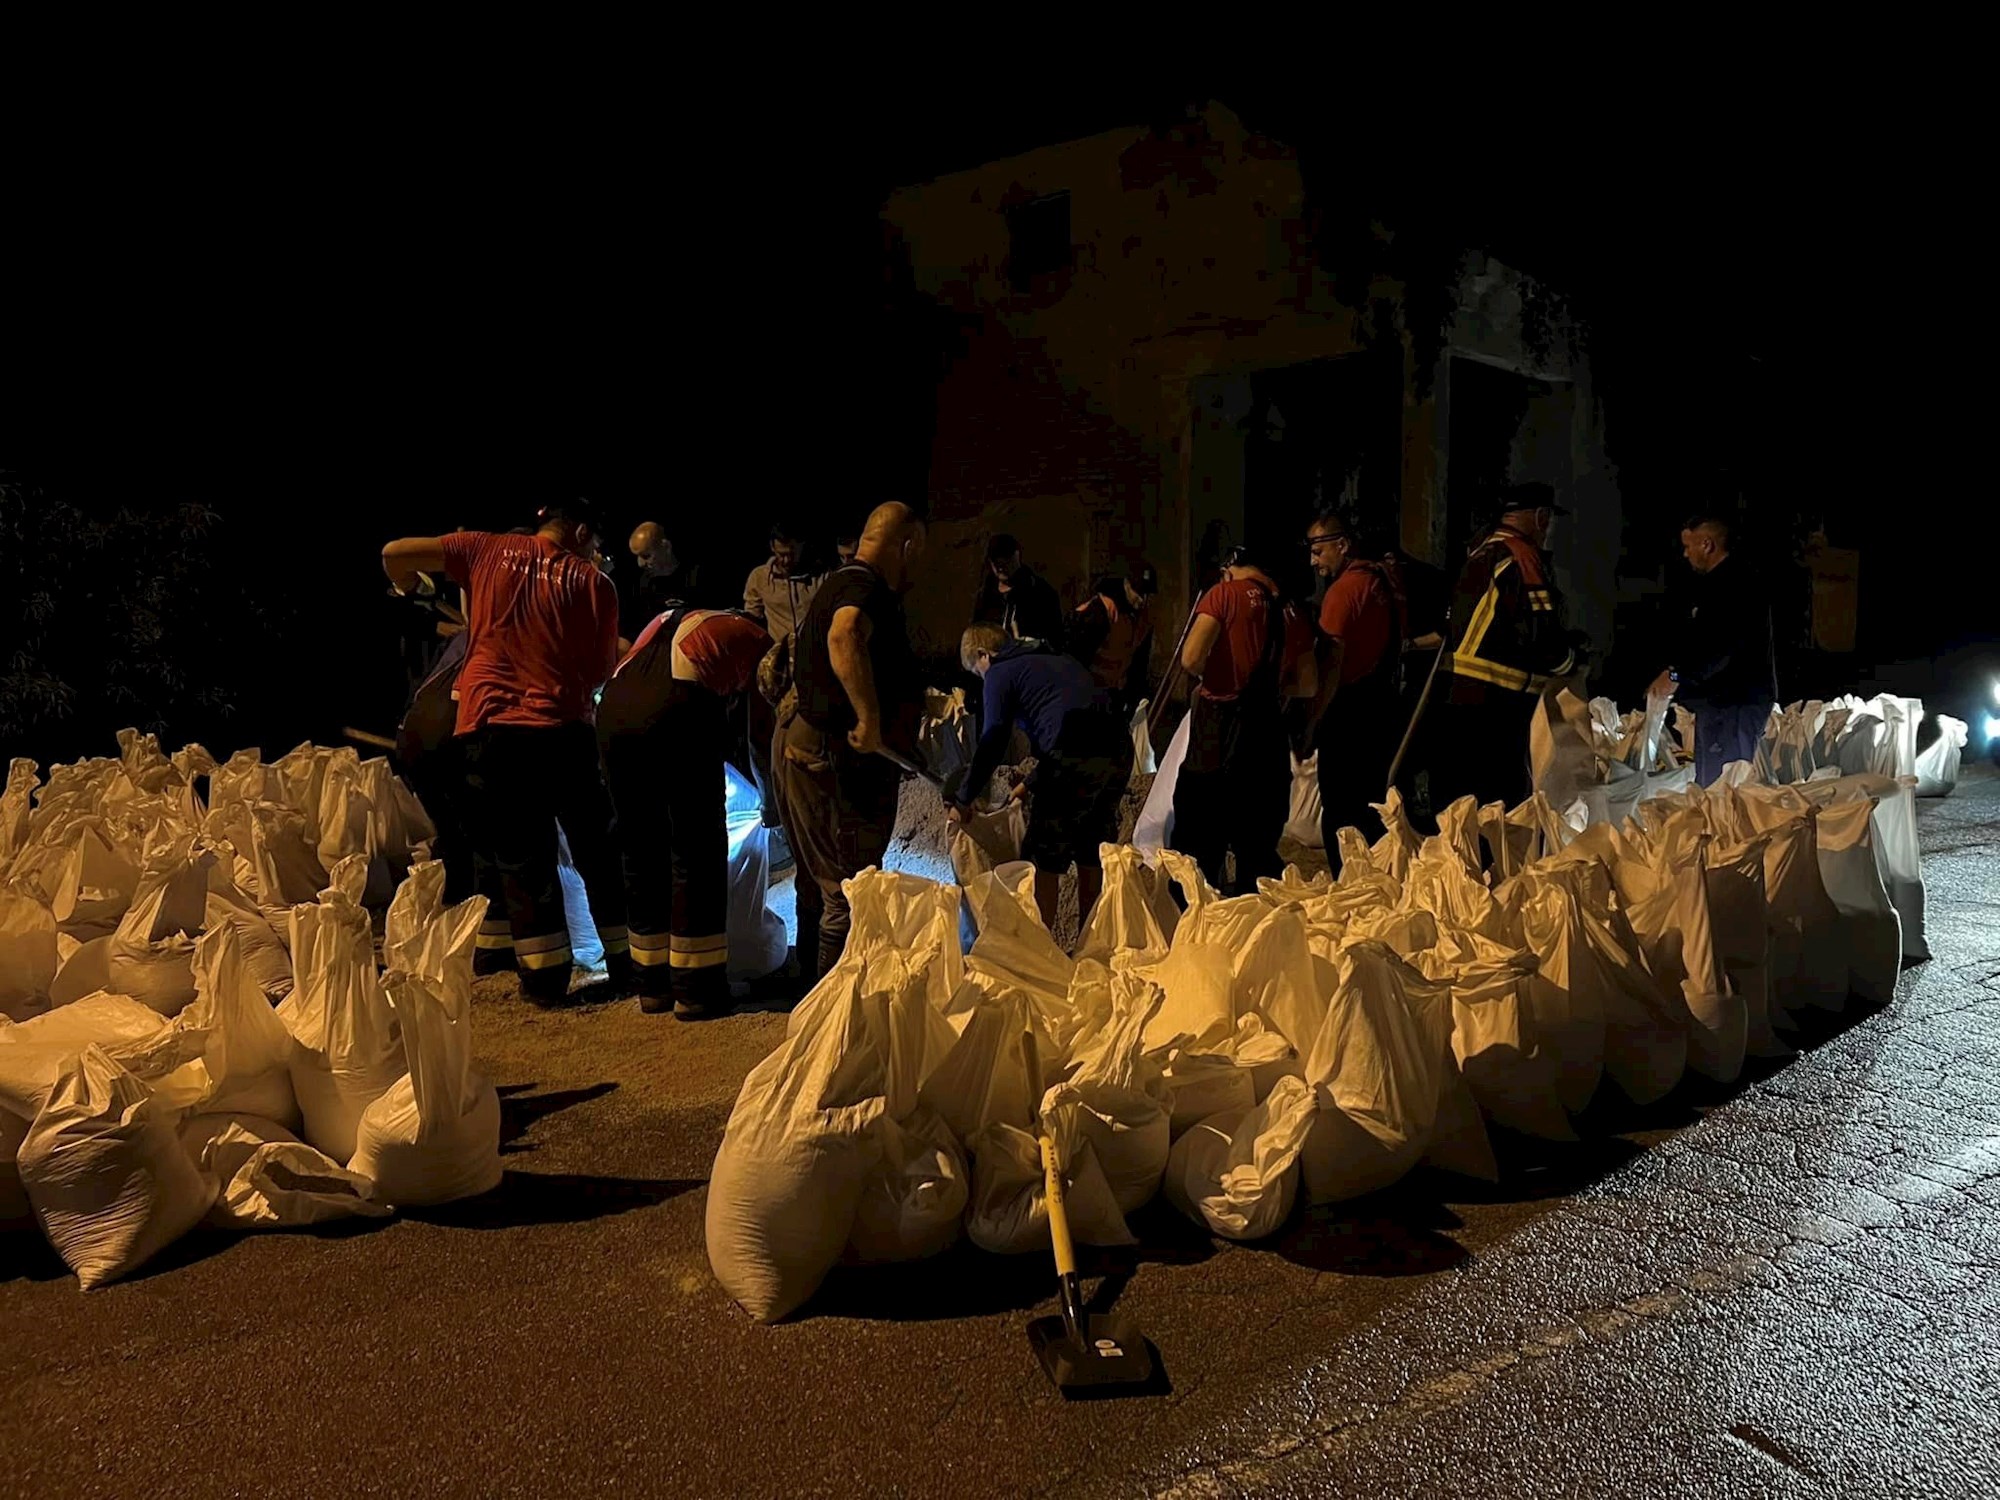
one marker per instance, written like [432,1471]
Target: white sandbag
[104,1170]
[1375,1069]
[800,1145]
[913,1204]
[1009,1210]
[758,944]
[1897,850]
[434,1135]
[1154,829]
[1302,825]
[1938,766]
[151,957]
[983,1076]
[246,1061]
[94,883]
[1394,852]
[1872,928]
[28,956]
[1459,1141]
[1202,1085]
[1237,1173]
[1566,992]
[1678,940]
[1739,910]
[350,1052]
[264,956]
[1111,1091]
[1511,1075]
[1125,917]
[989,838]
[85,972]
[16,803]
[269,1178]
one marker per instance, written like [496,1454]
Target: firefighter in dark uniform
[663,726]
[1508,647]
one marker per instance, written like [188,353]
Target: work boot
[703,1010]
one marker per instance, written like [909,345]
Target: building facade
[1153,364]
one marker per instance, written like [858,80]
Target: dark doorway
[1488,406]
[1328,432]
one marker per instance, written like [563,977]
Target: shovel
[909,765]
[1085,1354]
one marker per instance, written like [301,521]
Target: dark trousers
[1483,751]
[663,758]
[1722,735]
[840,813]
[1355,742]
[1234,792]
[433,763]
[522,781]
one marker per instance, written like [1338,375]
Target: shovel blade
[1112,1357]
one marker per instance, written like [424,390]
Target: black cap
[1001,547]
[1144,578]
[1531,496]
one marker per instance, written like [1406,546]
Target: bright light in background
[1993,729]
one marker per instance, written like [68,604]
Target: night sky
[337,326]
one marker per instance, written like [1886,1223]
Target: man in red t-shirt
[542,635]
[1354,722]
[663,726]
[1234,788]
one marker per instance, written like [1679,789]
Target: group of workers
[545,721]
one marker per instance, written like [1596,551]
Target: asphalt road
[1787,1288]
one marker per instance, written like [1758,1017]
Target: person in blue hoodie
[1083,758]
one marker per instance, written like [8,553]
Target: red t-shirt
[1243,608]
[719,649]
[543,630]
[1358,612]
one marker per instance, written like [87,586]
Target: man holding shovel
[856,689]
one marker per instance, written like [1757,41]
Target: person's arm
[753,597]
[1201,639]
[847,649]
[1327,654]
[404,560]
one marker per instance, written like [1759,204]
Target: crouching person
[1083,759]
[663,726]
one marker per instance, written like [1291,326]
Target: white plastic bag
[1937,767]
[1302,826]
[269,1178]
[1154,830]
[1512,1076]
[1144,762]
[758,945]
[151,957]
[104,1169]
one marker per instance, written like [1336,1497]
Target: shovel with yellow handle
[1086,1354]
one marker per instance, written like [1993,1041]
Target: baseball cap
[1530,496]
[1144,578]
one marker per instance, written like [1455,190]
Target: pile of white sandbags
[146,1081]
[1315,1041]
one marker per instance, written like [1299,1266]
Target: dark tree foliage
[125,616]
